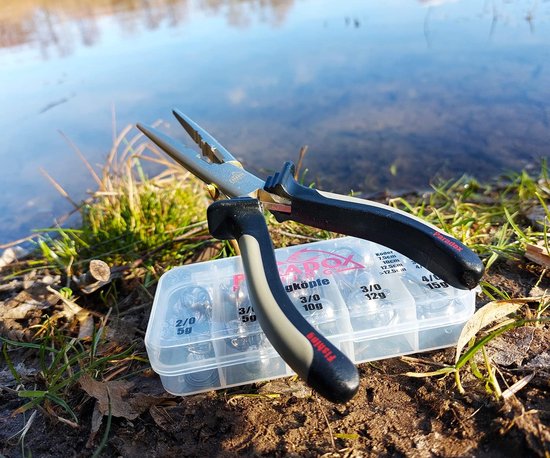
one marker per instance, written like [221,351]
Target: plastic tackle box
[370,301]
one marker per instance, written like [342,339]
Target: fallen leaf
[167,417]
[28,304]
[485,316]
[97,419]
[12,254]
[541,361]
[538,291]
[72,310]
[35,298]
[206,254]
[512,347]
[110,394]
[19,312]
[86,325]
[538,254]
[116,395]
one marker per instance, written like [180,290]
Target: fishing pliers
[311,355]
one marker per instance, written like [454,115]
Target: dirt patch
[392,414]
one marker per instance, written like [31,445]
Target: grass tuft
[492,218]
[133,217]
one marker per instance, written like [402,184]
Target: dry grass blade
[485,316]
[301,156]
[17,242]
[329,426]
[111,163]
[132,214]
[81,156]
[520,384]
[443,371]
[413,360]
[131,149]
[59,188]
[23,431]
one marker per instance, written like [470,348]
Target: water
[386,94]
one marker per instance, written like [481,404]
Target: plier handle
[313,357]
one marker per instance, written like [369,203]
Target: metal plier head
[214,164]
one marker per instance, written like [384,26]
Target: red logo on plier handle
[448,241]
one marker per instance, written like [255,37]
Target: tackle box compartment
[370,301]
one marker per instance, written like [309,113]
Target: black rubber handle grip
[437,251]
[314,358]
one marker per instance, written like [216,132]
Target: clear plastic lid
[357,293]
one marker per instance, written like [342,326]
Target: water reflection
[61,25]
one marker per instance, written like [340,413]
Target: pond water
[387,95]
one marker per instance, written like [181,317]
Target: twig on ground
[327,422]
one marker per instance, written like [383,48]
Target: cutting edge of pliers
[214,164]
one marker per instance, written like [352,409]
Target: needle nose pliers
[313,357]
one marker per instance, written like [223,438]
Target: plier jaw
[241,218]
[210,147]
[229,177]
[214,164]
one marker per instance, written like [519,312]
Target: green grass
[135,220]
[62,361]
[149,224]
[131,217]
[475,338]
[490,218]
[160,220]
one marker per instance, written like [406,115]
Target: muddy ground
[392,414]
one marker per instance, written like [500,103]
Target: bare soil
[392,415]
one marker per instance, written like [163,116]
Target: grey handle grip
[313,357]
